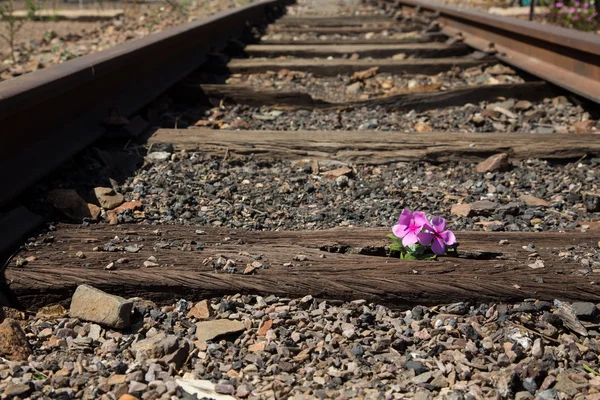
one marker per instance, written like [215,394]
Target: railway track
[270,160]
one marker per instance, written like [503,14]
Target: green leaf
[38,376]
[392,236]
[587,368]
[396,247]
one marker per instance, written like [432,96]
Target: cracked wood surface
[373,147]
[339,264]
[324,67]
[413,100]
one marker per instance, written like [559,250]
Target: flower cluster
[417,233]
[575,14]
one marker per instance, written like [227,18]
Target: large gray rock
[94,305]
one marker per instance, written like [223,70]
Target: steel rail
[565,57]
[49,115]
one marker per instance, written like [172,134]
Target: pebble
[343,345]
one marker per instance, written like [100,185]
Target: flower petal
[425,238]
[448,237]
[438,246]
[429,228]
[420,218]
[400,230]
[405,217]
[439,224]
[410,239]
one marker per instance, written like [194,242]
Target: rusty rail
[49,115]
[565,57]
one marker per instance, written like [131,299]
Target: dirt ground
[35,30]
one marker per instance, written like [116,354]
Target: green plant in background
[32,7]
[576,14]
[181,7]
[11,25]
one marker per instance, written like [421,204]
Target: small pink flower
[575,18]
[585,5]
[558,5]
[576,4]
[441,237]
[409,228]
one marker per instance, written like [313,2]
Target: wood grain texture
[345,30]
[340,264]
[413,100]
[348,20]
[372,147]
[420,50]
[339,66]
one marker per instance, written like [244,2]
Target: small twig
[534,332]
[581,158]
[226,154]
[193,352]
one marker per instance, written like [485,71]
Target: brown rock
[249,270]
[366,74]
[462,210]
[200,310]
[422,127]
[533,201]
[209,330]
[483,207]
[54,310]
[13,342]
[523,105]
[129,205]
[128,397]
[111,215]
[91,304]
[73,206]
[489,225]
[156,346]
[587,126]
[497,162]
[264,328]
[336,173]
[489,113]
[260,346]
[240,124]
[107,197]
[116,379]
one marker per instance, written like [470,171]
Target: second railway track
[271,161]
